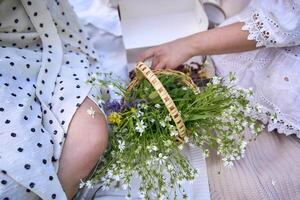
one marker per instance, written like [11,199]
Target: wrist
[194,45]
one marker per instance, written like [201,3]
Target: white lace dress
[272,71]
[271,168]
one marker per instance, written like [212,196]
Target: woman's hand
[169,55]
[221,40]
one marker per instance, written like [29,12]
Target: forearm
[221,40]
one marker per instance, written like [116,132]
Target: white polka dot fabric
[45,59]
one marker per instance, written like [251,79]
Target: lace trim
[274,119]
[258,30]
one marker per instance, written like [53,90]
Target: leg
[86,141]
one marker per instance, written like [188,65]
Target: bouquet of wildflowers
[145,141]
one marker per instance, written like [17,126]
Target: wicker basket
[150,75]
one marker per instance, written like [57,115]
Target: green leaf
[198,117]
[153,95]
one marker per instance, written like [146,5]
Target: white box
[146,23]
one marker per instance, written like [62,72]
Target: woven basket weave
[151,76]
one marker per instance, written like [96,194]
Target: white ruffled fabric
[272,23]
[273,71]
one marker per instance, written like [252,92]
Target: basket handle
[162,92]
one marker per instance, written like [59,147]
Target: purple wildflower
[113,106]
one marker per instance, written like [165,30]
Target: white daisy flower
[170,167]
[163,124]
[180,147]
[94,76]
[89,184]
[174,133]
[215,80]
[161,159]
[91,112]
[154,148]
[140,127]
[82,184]
[121,145]
[157,105]
[168,118]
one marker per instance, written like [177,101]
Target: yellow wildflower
[133,110]
[115,118]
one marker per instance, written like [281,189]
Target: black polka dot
[39,145]
[31,185]
[53,159]
[27,166]
[3,182]
[13,134]
[44,161]
[50,178]
[7,121]
[12,63]
[20,149]
[29,3]
[1,109]
[28,190]
[16,20]
[53,196]
[32,130]
[35,14]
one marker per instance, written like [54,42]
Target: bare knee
[94,134]
[86,141]
[96,138]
